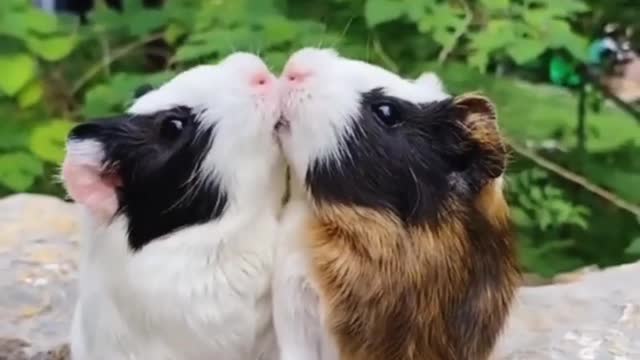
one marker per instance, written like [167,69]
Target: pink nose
[262,80]
[297,76]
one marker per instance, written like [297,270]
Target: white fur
[430,81]
[86,152]
[321,110]
[202,292]
[297,310]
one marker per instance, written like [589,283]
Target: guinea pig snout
[84,145]
[263,81]
[296,75]
[87,180]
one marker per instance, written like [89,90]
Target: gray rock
[591,315]
[13,349]
[38,248]
[597,316]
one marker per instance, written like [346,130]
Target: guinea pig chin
[89,180]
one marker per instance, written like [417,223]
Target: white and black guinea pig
[398,246]
[183,191]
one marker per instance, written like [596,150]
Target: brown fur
[436,292]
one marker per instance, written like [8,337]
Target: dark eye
[171,128]
[387,114]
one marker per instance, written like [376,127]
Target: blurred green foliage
[56,73]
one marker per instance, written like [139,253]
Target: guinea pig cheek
[92,187]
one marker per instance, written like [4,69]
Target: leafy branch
[457,35]
[576,179]
[115,55]
[386,59]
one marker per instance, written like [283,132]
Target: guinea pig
[183,193]
[398,245]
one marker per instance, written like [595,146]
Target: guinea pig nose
[261,79]
[297,75]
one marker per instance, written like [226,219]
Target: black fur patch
[410,169]
[160,192]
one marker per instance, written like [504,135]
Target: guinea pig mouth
[109,175]
[282,125]
[106,173]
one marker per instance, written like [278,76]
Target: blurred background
[565,75]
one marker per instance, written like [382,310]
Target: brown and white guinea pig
[184,192]
[398,245]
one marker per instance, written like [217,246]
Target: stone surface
[597,316]
[38,249]
[588,314]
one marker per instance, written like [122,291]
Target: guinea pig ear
[485,152]
[431,81]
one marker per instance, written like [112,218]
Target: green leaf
[14,135]
[115,95]
[544,220]
[551,191]
[555,245]
[101,100]
[497,34]
[203,46]
[377,12]
[48,141]
[525,50]
[634,247]
[581,223]
[13,26]
[479,60]
[279,30]
[30,94]
[496,5]
[39,21]
[443,37]
[416,9]
[560,35]
[51,48]
[538,18]
[173,33]
[521,218]
[567,7]
[536,194]
[106,19]
[538,174]
[143,22]
[19,170]
[276,60]
[197,52]
[257,9]
[525,202]
[444,23]
[17,71]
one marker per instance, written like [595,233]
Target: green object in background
[596,50]
[563,72]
